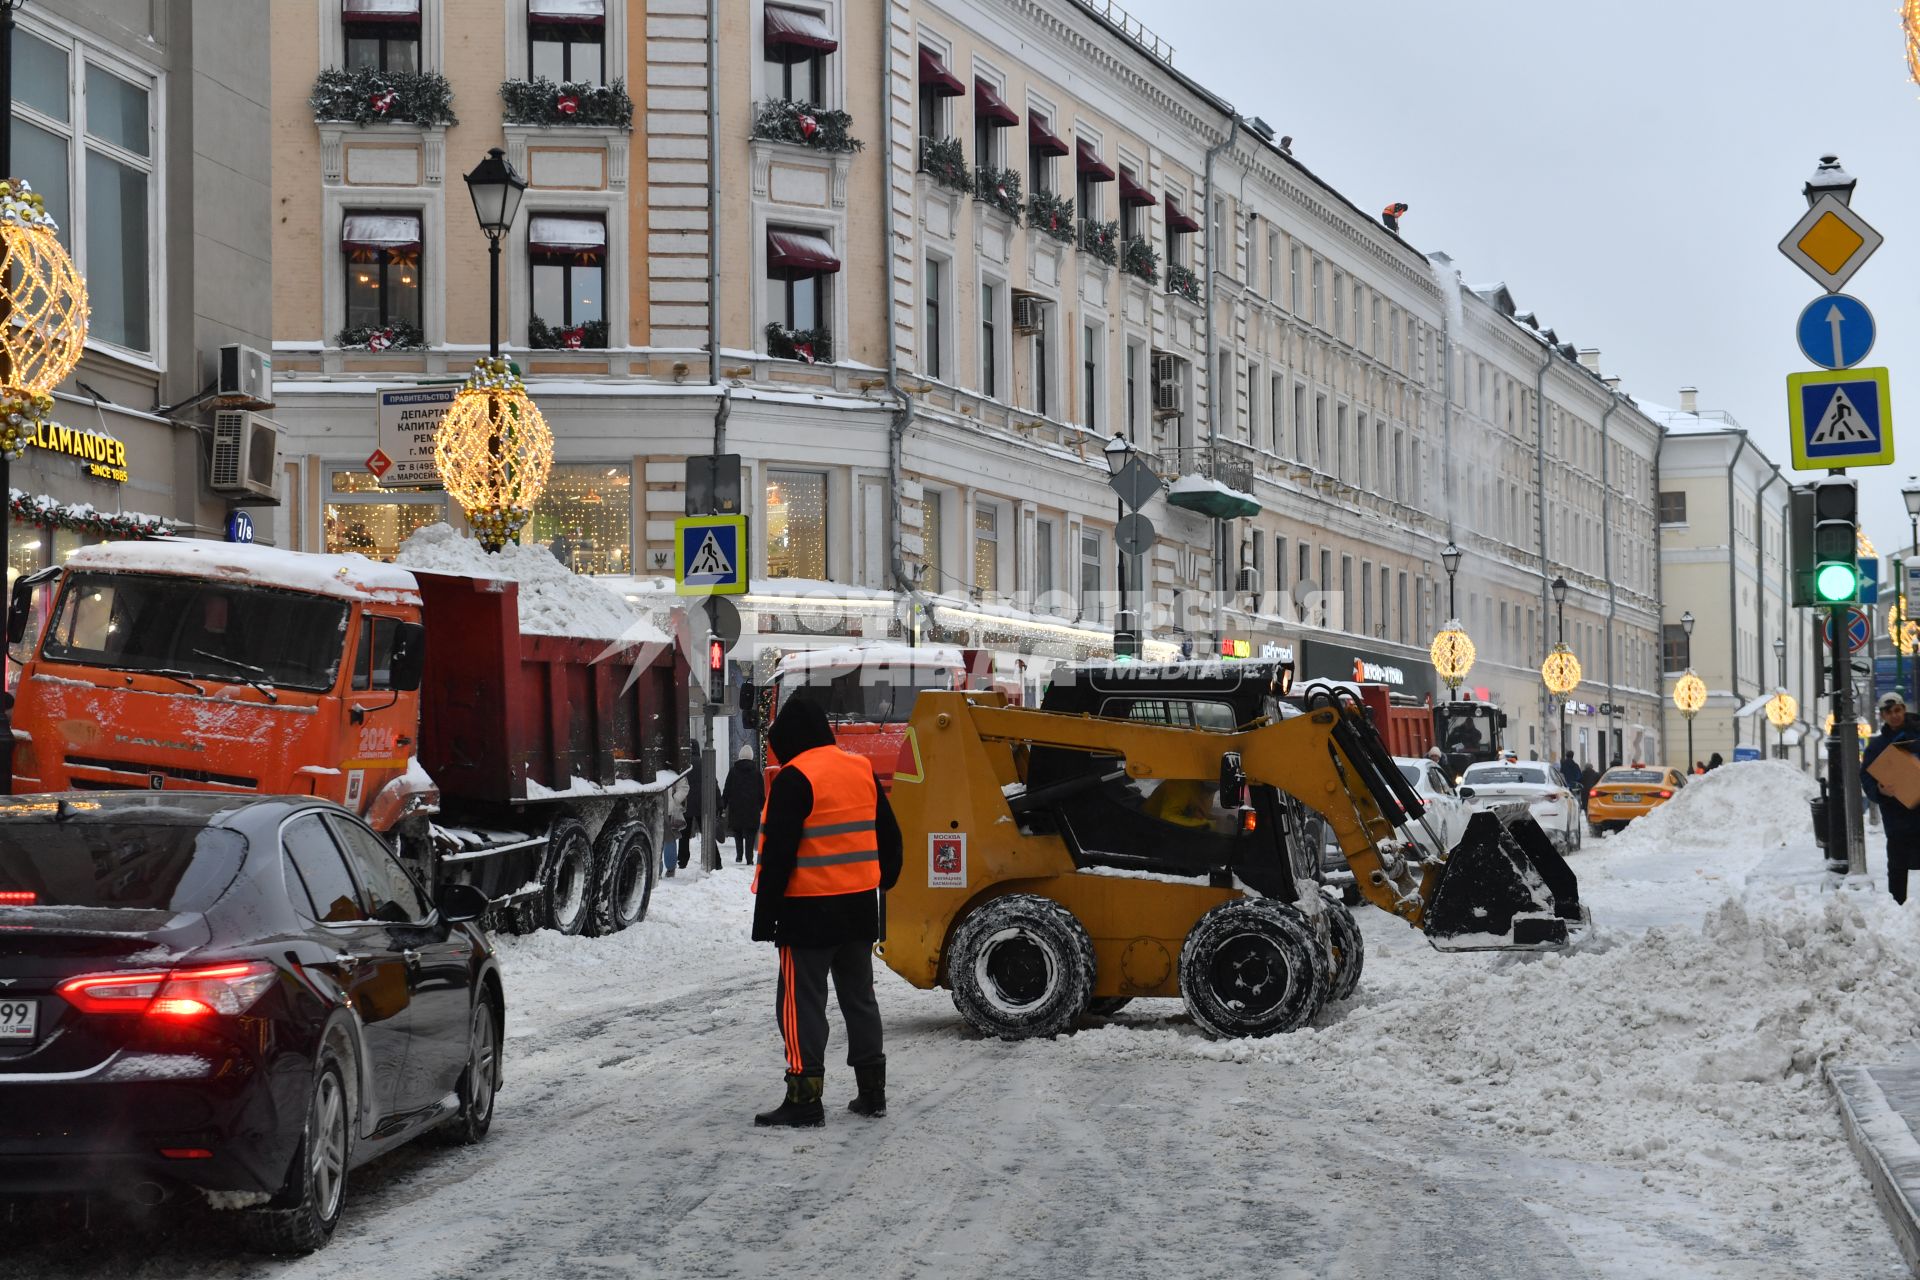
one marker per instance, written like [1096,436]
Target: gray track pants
[801,1005]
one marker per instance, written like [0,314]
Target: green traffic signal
[1837,580]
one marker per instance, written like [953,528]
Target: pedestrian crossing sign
[1840,418]
[711,556]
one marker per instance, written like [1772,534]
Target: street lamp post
[1451,559]
[1126,640]
[496,187]
[1780,652]
[1686,627]
[1910,492]
[1560,606]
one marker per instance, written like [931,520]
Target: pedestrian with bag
[828,845]
[743,797]
[691,826]
[1899,731]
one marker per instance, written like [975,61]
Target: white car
[1447,814]
[1538,786]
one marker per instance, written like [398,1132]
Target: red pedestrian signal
[716,655]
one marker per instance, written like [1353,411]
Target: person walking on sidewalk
[691,827]
[829,842]
[1901,731]
[743,797]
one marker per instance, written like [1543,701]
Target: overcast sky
[1626,167]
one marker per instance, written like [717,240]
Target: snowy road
[1648,1107]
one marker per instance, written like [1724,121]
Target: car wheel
[1021,966]
[627,875]
[1252,967]
[302,1217]
[479,1082]
[566,883]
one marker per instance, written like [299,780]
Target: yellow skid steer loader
[1063,864]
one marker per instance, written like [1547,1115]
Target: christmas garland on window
[1137,258]
[591,334]
[370,96]
[943,160]
[1052,214]
[815,346]
[86,518]
[401,335]
[999,188]
[541,101]
[806,125]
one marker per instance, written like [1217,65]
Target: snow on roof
[554,600]
[1685,424]
[1193,482]
[350,577]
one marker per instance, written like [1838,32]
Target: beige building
[959,247]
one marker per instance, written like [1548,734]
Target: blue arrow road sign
[1836,331]
[1840,418]
[1869,579]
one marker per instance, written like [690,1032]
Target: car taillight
[1664,795]
[1249,821]
[1596,795]
[17,898]
[177,993]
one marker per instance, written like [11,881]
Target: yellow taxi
[1624,794]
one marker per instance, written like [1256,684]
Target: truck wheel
[624,854]
[1349,950]
[1248,968]
[566,882]
[1021,966]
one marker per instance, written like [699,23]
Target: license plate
[18,1020]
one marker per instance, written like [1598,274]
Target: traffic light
[1800,545]
[716,669]
[1836,563]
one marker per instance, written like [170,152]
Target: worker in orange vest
[828,845]
[1392,214]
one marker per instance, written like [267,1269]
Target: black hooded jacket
[832,919]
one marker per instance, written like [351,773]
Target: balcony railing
[368,96]
[999,188]
[805,125]
[1101,239]
[814,346]
[541,101]
[1052,214]
[1138,259]
[943,160]
[1182,282]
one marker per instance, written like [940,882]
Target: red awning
[793,254]
[794,35]
[1178,221]
[380,10]
[1096,169]
[991,107]
[1132,193]
[380,231]
[557,234]
[1042,139]
[590,13]
[935,76]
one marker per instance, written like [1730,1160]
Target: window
[1279,565]
[797,42]
[319,870]
[796,524]
[1043,562]
[566,40]
[1400,607]
[1325,584]
[1293,279]
[1253,399]
[1090,574]
[1273,265]
[585,516]
[1042,147]
[374,658]
[1300,421]
[799,264]
[1676,648]
[989,340]
[1320,434]
[1133,387]
[1319,316]
[1373,345]
[567,256]
[1673,506]
[1339,467]
[1090,339]
[364,518]
[390,890]
[1040,361]
[933,532]
[1339,306]
[380,253]
[83,136]
[1366,597]
[936,329]
[1275,398]
[1346,593]
[383,35]
[986,549]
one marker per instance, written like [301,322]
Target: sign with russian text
[408,420]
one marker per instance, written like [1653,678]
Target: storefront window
[27,549]
[986,550]
[796,524]
[371,521]
[68,541]
[585,516]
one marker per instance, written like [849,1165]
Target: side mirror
[1502,717]
[408,658]
[1466,793]
[460,903]
[1233,781]
[18,608]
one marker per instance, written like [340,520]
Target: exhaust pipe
[148,1194]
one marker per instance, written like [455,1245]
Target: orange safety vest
[839,851]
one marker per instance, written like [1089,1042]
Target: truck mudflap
[1504,887]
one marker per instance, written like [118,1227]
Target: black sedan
[235,996]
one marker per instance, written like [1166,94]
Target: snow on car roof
[350,577]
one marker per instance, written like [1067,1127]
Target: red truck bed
[500,709]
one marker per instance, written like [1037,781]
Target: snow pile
[554,600]
[1756,804]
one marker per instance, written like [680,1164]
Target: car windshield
[873,693]
[128,866]
[1500,775]
[1634,775]
[198,627]
[1461,728]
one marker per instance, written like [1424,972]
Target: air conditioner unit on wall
[245,378]
[246,453]
[1166,384]
[1029,313]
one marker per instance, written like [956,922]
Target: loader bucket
[1504,887]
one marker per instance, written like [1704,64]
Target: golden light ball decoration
[1452,653]
[44,301]
[1782,710]
[1690,694]
[494,451]
[1904,632]
[1910,25]
[1561,671]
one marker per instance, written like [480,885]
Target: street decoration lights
[1452,651]
[44,302]
[1689,695]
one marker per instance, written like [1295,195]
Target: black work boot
[802,1109]
[872,1099]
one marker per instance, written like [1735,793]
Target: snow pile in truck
[554,600]
[1754,804]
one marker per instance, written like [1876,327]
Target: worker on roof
[1392,214]
[828,841]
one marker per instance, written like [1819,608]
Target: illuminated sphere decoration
[1561,671]
[1452,654]
[1690,694]
[1904,633]
[494,452]
[45,303]
[1782,709]
[1910,24]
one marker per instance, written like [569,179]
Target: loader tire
[1349,950]
[566,879]
[1021,967]
[1252,967]
[626,869]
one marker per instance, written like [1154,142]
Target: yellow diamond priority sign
[1830,243]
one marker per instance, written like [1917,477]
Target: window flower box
[806,125]
[815,346]
[541,101]
[1101,239]
[1052,214]
[999,188]
[1138,259]
[1182,282]
[367,96]
[400,335]
[592,335]
[943,160]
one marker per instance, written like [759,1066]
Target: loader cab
[1467,732]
